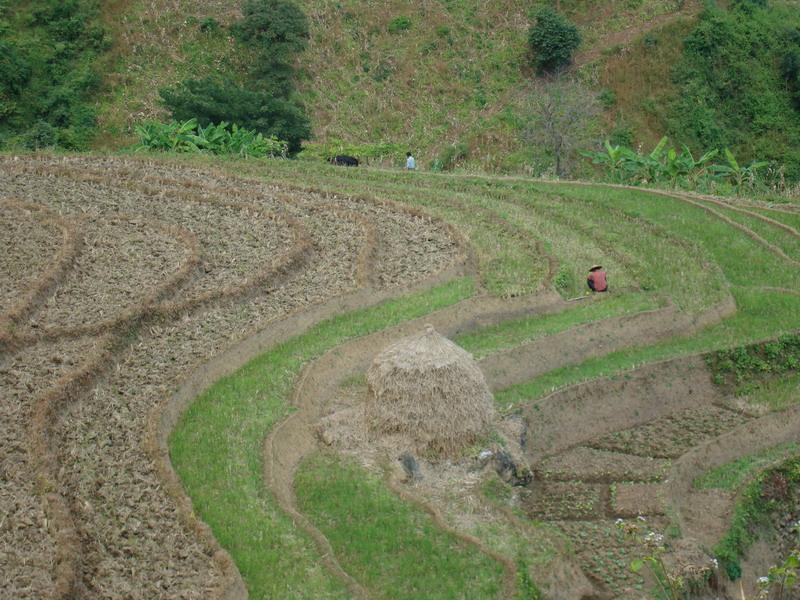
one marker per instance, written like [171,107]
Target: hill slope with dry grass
[426,76]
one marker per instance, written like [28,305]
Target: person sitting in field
[597,279]
[411,164]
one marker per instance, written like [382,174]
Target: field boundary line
[69,548]
[53,274]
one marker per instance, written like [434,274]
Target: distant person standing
[411,164]
[597,279]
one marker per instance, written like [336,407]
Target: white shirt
[411,164]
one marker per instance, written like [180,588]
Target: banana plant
[737,174]
[613,159]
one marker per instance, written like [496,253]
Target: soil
[123,343]
[27,237]
[175,273]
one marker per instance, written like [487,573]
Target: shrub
[218,139]
[214,100]
[399,24]
[277,28]
[607,97]
[15,71]
[450,157]
[209,25]
[48,74]
[734,83]
[552,39]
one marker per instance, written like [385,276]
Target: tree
[552,40]
[276,26]
[277,30]
[561,116]
[213,100]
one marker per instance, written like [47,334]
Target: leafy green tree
[278,31]
[265,102]
[214,100]
[275,26]
[552,40]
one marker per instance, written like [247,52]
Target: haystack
[431,391]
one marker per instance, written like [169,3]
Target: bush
[15,71]
[213,100]
[48,75]
[222,139]
[552,39]
[399,24]
[735,83]
[277,28]
[450,157]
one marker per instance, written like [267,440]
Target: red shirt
[599,279]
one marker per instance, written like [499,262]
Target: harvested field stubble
[28,545]
[28,236]
[177,264]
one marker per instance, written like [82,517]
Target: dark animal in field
[410,466]
[344,160]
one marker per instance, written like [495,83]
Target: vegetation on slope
[727,80]
[50,71]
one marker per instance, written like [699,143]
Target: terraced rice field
[130,286]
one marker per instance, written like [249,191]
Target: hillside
[448,79]
[453,72]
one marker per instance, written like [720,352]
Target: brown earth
[93,507]
[173,266]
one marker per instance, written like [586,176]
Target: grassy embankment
[394,548]
[732,475]
[669,225]
[768,495]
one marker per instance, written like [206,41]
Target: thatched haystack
[430,390]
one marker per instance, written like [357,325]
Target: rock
[410,466]
[510,471]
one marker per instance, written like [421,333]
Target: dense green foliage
[740,366]
[679,168]
[277,30]
[213,100]
[221,139]
[738,85]
[766,495]
[48,72]
[272,32]
[552,40]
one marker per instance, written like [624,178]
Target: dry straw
[430,390]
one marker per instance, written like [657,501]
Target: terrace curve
[115,391]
